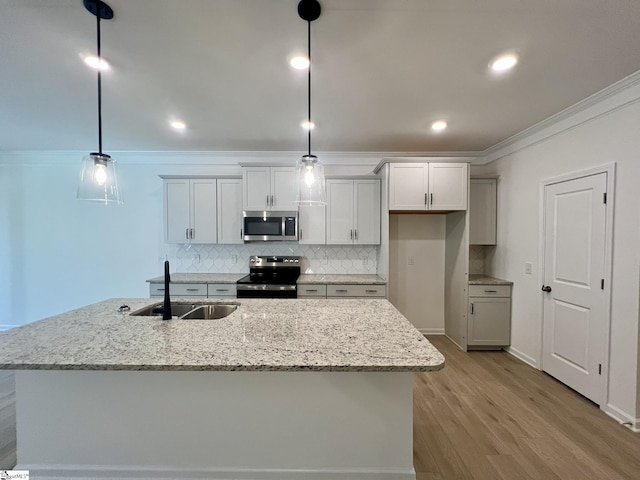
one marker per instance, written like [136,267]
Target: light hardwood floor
[7,420]
[488,415]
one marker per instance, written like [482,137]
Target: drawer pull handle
[311,290]
[342,291]
[490,291]
[160,289]
[193,289]
[222,289]
[472,309]
[371,291]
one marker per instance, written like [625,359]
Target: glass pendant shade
[99,179]
[311,181]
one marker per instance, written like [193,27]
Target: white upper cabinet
[269,188]
[202,210]
[428,186]
[353,212]
[190,210]
[482,211]
[230,210]
[312,225]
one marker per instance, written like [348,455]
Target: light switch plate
[528,268]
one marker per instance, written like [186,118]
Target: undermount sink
[189,310]
[210,312]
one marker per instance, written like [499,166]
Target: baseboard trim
[100,472]
[431,331]
[522,356]
[622,417]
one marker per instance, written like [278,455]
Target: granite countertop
[342,279]
[479,279]
[261,335]
[200,278]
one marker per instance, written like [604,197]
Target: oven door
[266,291]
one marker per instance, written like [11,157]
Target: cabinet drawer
[221,290]
[312,290]
[378,291]
[489,290]
[179,289]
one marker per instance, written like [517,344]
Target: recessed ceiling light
[438,126]
[504,62]
[299,62]
[97,63]
[307,125]
[178,124]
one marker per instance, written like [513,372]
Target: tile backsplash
[320,259]
[477,257]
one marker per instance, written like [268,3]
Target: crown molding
[217,158]
[615,97]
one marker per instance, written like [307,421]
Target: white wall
[418,290]
[612,136]
[58,253]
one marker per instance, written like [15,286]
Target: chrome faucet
[166,307]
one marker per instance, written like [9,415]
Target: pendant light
[309,169]
[99,172]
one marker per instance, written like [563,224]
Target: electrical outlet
[234,258]
[196,258]
[365,261]
[411,260]
[325,260]
[528,268]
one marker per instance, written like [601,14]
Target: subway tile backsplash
[319,259]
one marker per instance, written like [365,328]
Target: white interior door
[575,322]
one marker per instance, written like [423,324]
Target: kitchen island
[309,389]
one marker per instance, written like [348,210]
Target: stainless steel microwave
[269,226]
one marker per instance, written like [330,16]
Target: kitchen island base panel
[241,425]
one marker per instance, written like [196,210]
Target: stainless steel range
[270,277]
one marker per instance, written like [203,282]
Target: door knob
[546,288]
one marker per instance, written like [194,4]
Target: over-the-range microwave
[269,226]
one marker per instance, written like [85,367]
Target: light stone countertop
[341,279]
[261,335]
[479,279]
[200,278]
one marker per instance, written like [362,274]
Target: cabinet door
[366,225]
[203,211]
[312,225]
[448,186]
[482,211]
[176,211]
[408,186]
[339,212]
[489,321]
[229,210]
[283,188]
[256,183]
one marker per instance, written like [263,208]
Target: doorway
[577,218]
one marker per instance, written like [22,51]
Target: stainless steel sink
[189,310]
[210,312]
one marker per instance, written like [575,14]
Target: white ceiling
[383,70]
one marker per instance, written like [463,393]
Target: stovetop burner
[270,277]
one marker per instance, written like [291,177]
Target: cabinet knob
[546,288]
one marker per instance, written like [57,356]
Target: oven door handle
[266,288]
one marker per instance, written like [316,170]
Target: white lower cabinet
[489,322]
[203,290]
[179,290]
[312,291]
[356,291]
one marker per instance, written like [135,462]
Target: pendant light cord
[99,89]
[309,81]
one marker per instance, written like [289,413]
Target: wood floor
[488,415]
